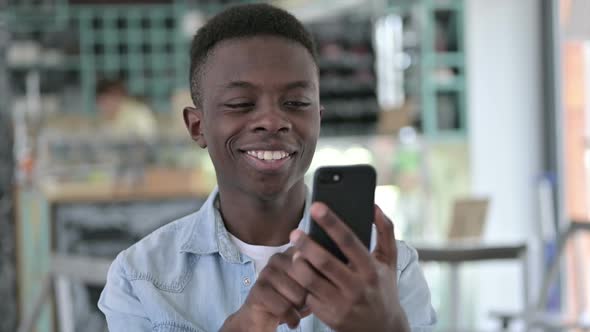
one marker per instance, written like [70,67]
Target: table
[458,253]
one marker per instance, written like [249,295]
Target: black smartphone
[349,191]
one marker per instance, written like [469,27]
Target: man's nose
[271,119]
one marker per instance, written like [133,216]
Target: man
[124,116]
[230,266]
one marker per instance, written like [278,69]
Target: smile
[268,161]
[268,155]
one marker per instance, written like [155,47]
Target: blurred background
[476,114]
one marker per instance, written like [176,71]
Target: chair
[463,245]
[536,316]
[65,269]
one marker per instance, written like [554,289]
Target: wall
[7,227]
[504,105]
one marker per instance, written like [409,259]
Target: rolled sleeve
[122,308]
[414,293]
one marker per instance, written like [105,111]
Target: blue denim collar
[207,233]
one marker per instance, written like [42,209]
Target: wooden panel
[574,103]
[576,178]
[33,248]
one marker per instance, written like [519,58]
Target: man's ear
[322,109]
[193,119]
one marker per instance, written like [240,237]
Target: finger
[320,310]
[304,311]
[291,317]
[357,254]
[289,252]
[321,260]
[312,280]
[277,305]
[386,249]
[284,284]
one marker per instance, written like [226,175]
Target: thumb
[386,249]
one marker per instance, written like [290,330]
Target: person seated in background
[243,262]
[124,115]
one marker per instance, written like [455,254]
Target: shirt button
[247,281]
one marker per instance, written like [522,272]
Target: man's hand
[360,296]
[274,299]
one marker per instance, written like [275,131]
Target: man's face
[260,116]
[108,103]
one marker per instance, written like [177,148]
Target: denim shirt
[188,276]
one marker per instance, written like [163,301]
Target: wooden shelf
[158,184]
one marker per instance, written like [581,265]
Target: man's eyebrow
[298,84]
[237,84]
[288,86]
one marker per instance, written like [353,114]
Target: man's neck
[261,221]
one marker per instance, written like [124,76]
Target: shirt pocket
[171,278]
[172,326]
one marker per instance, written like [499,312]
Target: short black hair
[241,21]
[107,86]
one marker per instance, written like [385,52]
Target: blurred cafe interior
[475,114]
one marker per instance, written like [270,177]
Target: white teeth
[268,155]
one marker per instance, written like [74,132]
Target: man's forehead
[256,41]
[261,52]
[257,84]
[273,66]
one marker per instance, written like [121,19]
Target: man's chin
[269,192]
[272,190]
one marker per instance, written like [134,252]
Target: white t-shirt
[259,254]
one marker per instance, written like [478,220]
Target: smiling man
[243,262]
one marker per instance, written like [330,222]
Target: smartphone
[349,191]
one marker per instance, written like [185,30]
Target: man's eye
[297,104]
[239,105]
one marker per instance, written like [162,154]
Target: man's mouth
[269,156]
[268,161]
